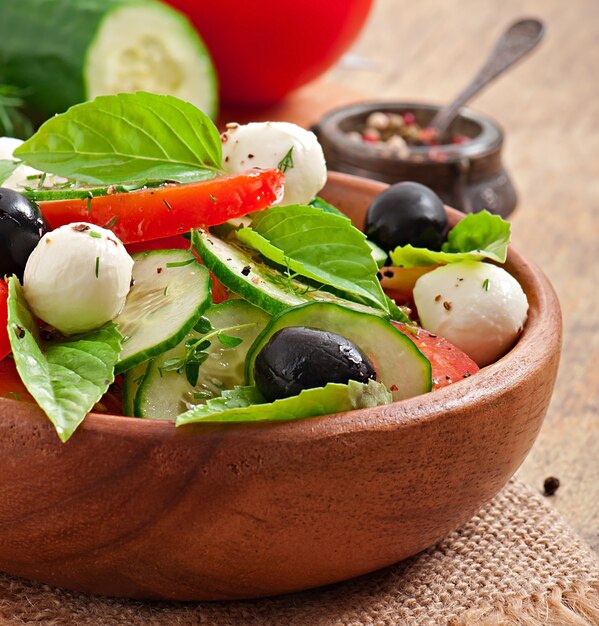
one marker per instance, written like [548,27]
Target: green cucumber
[166,394]
[170,292]
[132,379]
[378,254]
[68,51]
[76,191]
[399,364]
[244,272]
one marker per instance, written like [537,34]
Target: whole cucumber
[66,51]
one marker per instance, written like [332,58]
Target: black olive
[297,358]
[407,213]
[21,227]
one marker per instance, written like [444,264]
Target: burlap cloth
[516,562]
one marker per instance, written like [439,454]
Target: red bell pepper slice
[173,208]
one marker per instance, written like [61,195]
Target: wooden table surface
[549,108]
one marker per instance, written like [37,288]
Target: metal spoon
[515,42]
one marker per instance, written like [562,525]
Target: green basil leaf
[6,169]
[478,236]
[320,246]
[246,404]
[480,233]
[66,377]
[319,203]
[129,136]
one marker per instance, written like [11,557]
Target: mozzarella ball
[77,277]
[477,306]
[268,144]
[21,177]
[18,179]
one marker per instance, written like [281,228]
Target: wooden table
[549,108]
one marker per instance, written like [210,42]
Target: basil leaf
[6,169]
[129,136]
[318,245]
[480,233]
[318,203]
[478,236]
[246,404]
[65,377]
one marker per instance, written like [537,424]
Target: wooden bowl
[139,508]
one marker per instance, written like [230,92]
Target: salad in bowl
[152,275]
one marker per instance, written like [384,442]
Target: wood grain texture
[549,109]
[139,508]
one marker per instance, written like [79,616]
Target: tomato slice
[449,364]
[173,208]
[4,340]
[11,385]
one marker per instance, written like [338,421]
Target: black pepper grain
[550,486]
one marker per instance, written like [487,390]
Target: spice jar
[467,174]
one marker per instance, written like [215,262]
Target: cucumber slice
[170,292]
[399,364]
[166,394]
[378,254]
[132,379]
[77,191]
[243,271]
[68,51]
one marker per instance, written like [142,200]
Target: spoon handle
[519,39]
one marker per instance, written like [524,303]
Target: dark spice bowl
[468,176]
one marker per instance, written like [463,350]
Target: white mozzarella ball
[77,277]
[266,145]
[18,179]
[477,306]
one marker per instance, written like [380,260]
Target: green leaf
[246,404]
[228,341]
[6,169]
[318,203]
[379,255]
[320,246]
[203,326]
[116,139]
[478,236]
[66,377]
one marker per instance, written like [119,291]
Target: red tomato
[171,209]
[11,385]
[449,364]
[263,51]
[4,341]
[398,282]
[165,243]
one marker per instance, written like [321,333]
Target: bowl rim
[514,366]
[489,140]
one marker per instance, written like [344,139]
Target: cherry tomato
[449,364]
[263,51]
[171,209]
[4,341]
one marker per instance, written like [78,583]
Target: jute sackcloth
[515,563]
